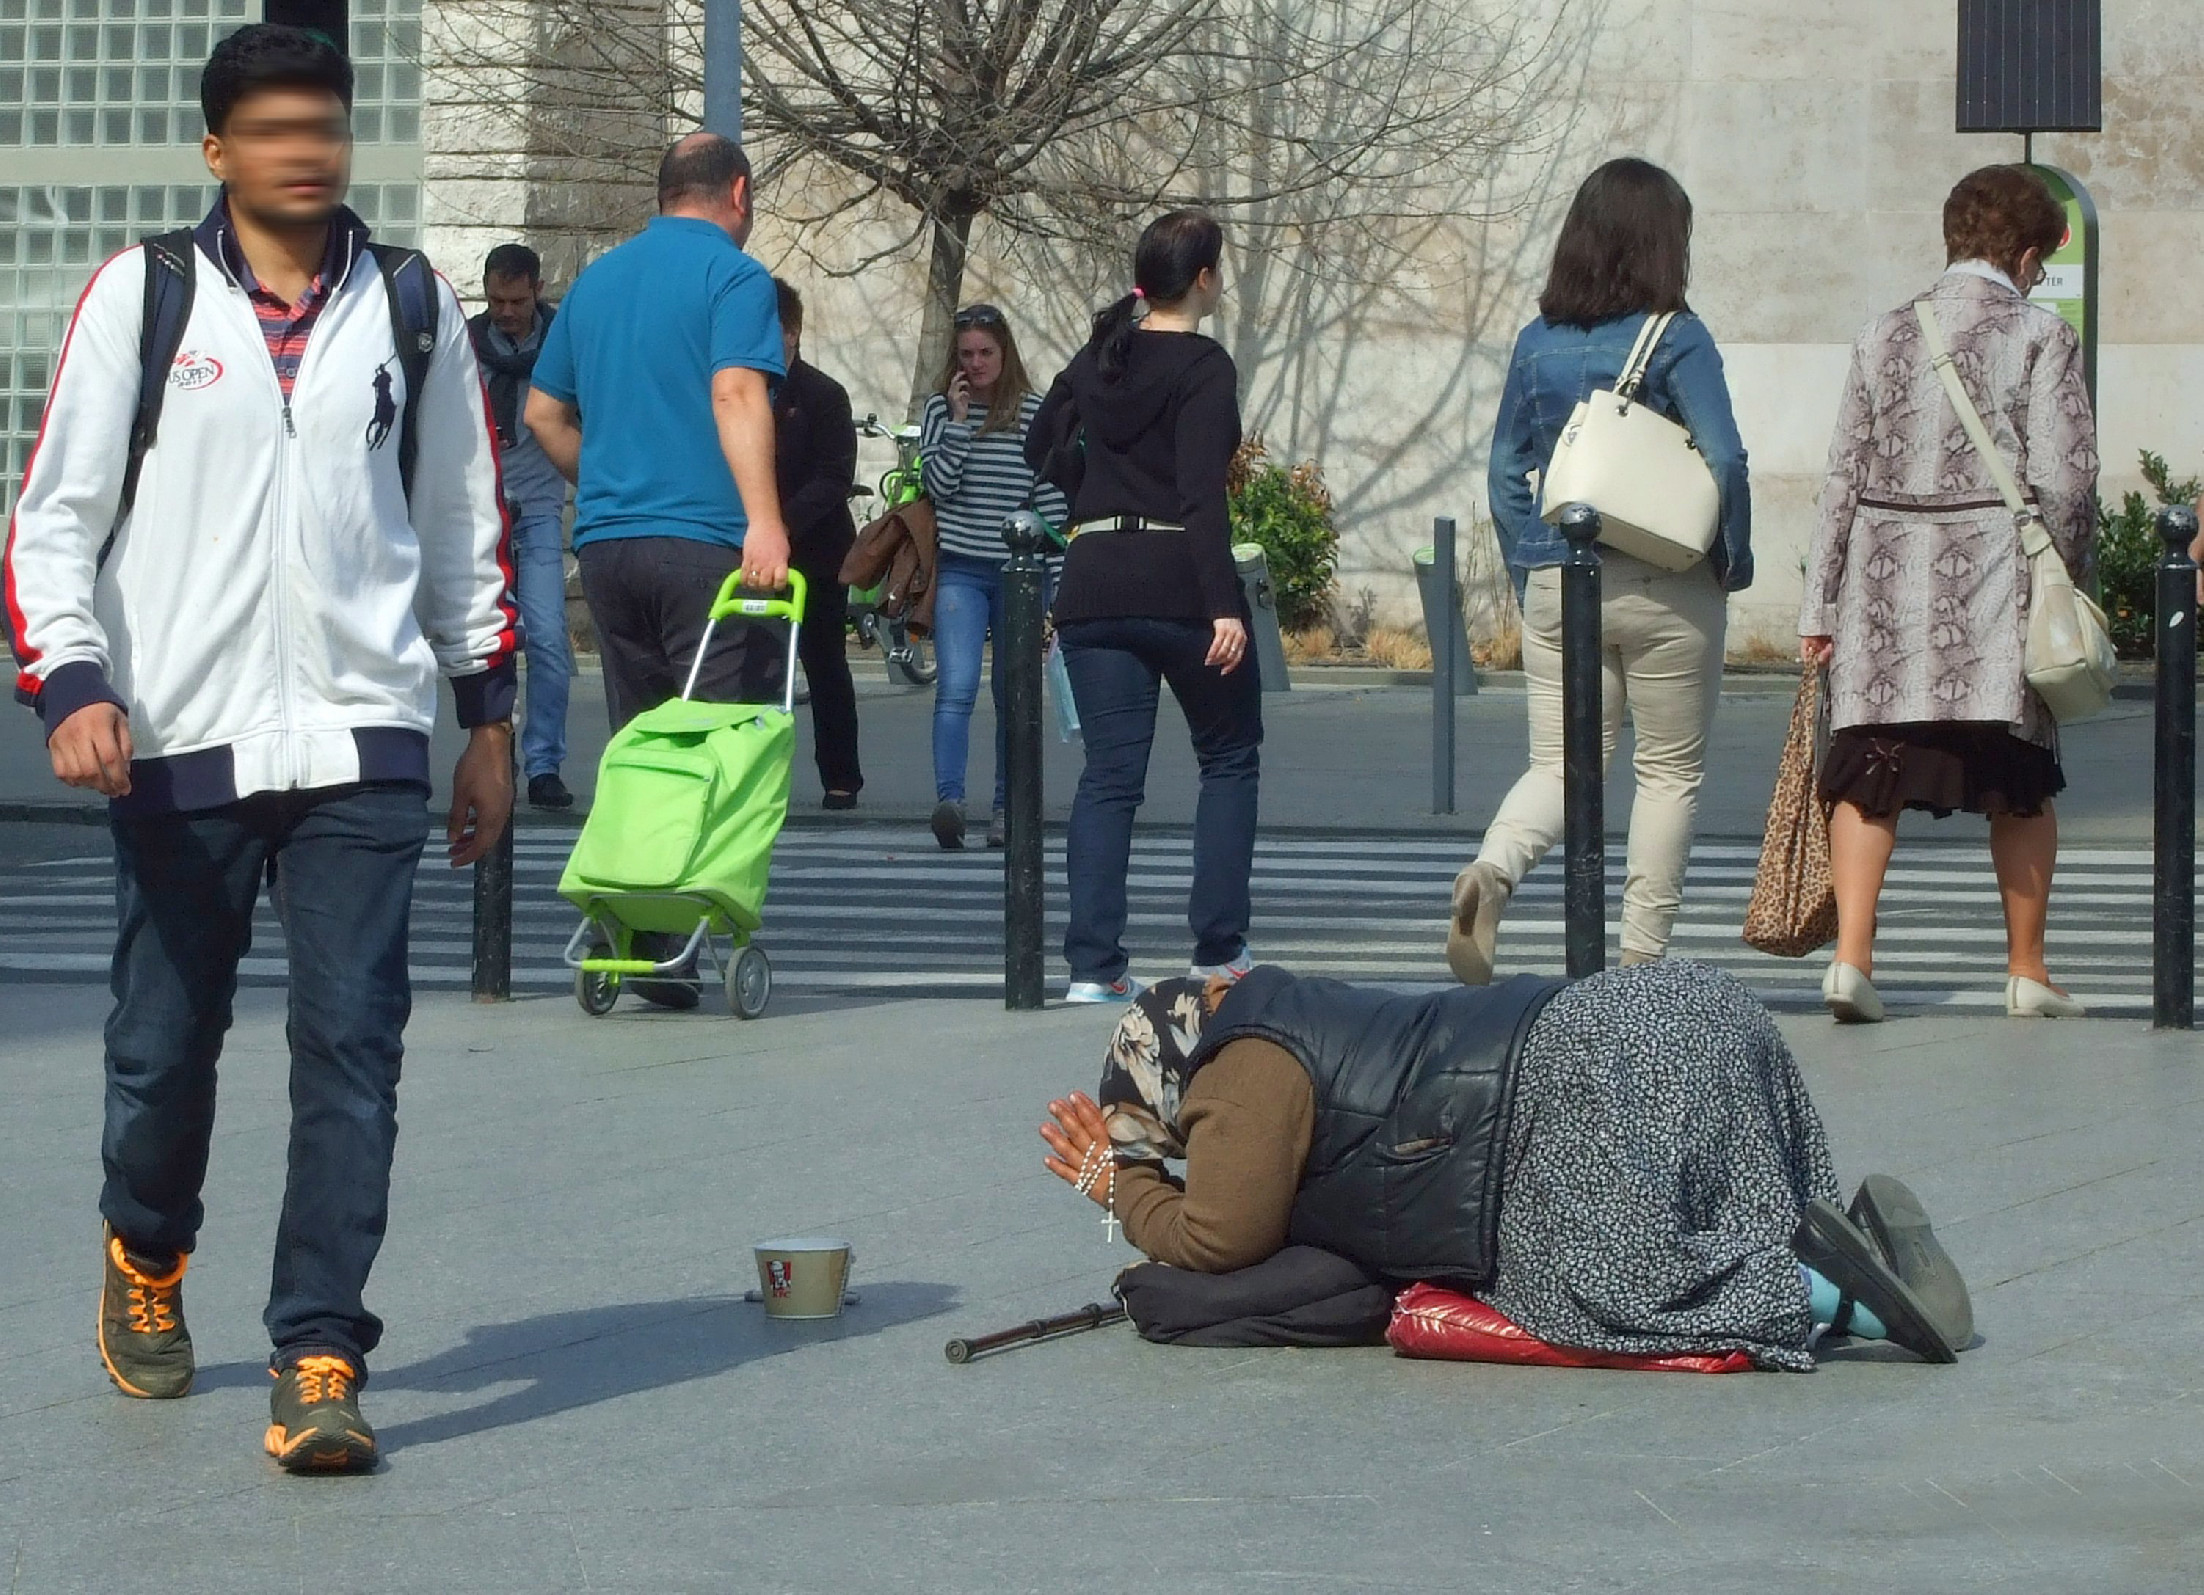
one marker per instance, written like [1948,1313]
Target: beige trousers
[1661,655]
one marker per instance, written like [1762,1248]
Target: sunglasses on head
[980,316]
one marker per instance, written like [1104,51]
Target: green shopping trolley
[679,842]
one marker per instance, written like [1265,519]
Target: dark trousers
[823,646]
[1116,667]
[342,861]
[649,600]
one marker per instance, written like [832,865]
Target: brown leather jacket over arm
[1247,1118]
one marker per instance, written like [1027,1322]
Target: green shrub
[1289,512]
[2128,550]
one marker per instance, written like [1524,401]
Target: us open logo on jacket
[193,370]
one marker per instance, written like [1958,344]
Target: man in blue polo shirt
[653,393]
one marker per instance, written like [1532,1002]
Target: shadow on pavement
[577,1359]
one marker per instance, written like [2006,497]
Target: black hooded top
[1156,443]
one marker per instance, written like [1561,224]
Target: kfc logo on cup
[780,1276]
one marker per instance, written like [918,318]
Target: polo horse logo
[386,410]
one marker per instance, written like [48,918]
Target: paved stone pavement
[574,1397]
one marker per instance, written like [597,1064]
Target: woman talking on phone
[972,441]
[1139,432]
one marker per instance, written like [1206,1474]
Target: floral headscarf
[1144,1073]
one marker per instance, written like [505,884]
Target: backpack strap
[409,283]
[169,285]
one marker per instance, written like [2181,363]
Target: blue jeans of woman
[968,609]
[1116,667]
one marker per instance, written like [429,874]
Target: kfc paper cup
[803,1278]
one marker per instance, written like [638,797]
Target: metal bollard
[2173,829]
[1264,636]
[1436,576]
[1442,617]
[1019,650]
[493,914]
[1584,800]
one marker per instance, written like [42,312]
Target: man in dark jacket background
[507,337]
[815,459]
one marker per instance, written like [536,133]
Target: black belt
[1130,523]
[1966,507]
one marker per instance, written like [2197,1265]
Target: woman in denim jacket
[1623,255]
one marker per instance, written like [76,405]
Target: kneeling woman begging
[1629,1164]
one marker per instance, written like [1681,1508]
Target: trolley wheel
[596,992]
[749,983]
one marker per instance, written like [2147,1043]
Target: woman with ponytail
[1139,432]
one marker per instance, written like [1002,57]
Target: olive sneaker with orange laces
[142,1338]
[314,1421]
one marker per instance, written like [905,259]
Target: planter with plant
[2128,551]
[1288,510]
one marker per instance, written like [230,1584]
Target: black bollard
[1444,662]
[2173,830]
[1019,658]
[1584,802]
[493,920]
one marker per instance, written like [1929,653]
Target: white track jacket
[272,615]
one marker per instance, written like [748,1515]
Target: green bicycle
[910,657]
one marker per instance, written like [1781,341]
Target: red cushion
[1451,1327]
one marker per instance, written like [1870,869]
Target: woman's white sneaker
[1233,970]
[1122,989]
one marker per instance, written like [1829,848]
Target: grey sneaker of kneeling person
[1830,1244]
[1893,1217]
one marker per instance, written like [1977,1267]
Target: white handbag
[2069,659]
[1657,500]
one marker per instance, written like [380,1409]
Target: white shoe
[1481,896]
[1850,997]
[1232,971]
[1123,989]
[2032,999]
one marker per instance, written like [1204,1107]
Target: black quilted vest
[1413,1096]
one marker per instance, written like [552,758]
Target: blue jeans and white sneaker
[539,582]
[1116,668]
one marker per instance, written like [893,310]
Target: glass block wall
[123,75]
[76,72]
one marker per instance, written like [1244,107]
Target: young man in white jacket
[243,658]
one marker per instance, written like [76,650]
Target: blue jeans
[968,609]
[341,862]
[539,581]
[1115,668]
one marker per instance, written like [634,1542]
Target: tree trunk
[944,281]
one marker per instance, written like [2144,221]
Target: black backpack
[408,282]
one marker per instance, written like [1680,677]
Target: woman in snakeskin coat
[1917,589]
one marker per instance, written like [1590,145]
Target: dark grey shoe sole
[1841,1252]
[1887,1209]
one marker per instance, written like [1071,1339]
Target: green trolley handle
[790,609]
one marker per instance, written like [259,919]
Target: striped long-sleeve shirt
[977,481]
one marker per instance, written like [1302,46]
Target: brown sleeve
[1247,1119]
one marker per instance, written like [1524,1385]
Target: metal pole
[1582,775]
[2173,863]
[1443,661]
[723,68]
[493,915]
[1018,657]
